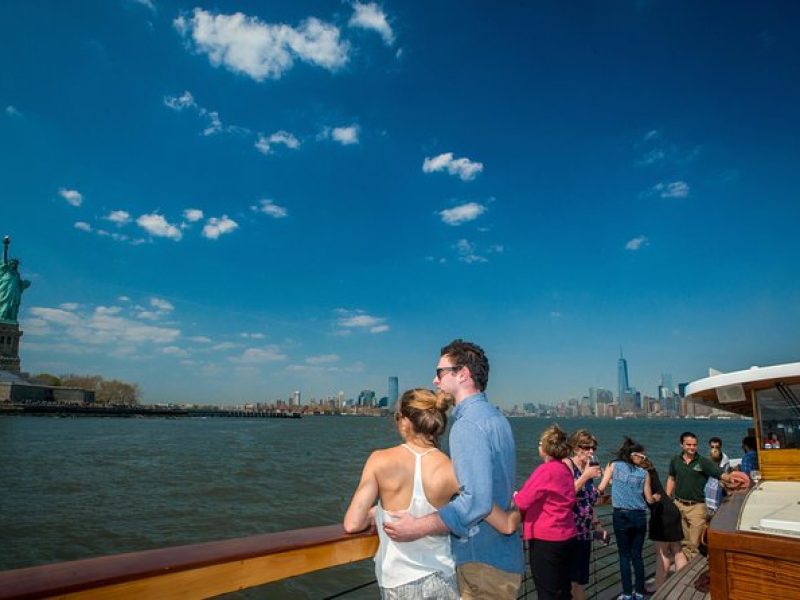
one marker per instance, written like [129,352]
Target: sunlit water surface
[82,487]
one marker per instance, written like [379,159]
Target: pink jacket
[546,501]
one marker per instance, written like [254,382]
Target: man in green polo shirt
[688,473]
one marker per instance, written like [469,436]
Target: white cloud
[185,100]
[161,305]
[12,111]
[117,237]
[370,16]
[268,207]
[252,336]
[467,252]
[146,3]
[192,214]
[73,197]
[675,189]
[358,319]
[555,314]
[104,327]
[463,167]
[247,45]
[225,346]
[156,225]
[83,226]
[175,351]
[653,134]
[652,157]
[264,144]
[322,359]
[69,306]
[462,214]
[120,217]
[260,355]
[213,122]
[345,135]
[216,227]
[637,243]
[200,339]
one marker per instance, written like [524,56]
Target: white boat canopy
[731,390]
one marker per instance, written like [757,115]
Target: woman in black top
[665,529]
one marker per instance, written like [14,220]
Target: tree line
[106,391]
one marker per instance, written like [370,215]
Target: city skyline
[234,201]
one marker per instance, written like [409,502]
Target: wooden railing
[194,571]
[214,568]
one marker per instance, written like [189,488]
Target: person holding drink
[585,468]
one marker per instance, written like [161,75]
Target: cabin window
[779,407]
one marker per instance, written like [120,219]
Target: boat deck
[681,585]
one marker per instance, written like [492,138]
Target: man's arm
[505,521]
[402,527]
[472,461]
[670,487]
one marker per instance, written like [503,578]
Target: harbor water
[82,487]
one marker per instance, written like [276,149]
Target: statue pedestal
[9,346]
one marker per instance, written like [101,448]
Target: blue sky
[229,201]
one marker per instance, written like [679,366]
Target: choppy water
[83,487]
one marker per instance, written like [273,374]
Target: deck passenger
[630,494]
[724,461]
[750,458]
[665,529]
[489,563]
[414,477]
[714,491]
[688,474]
[546,501]
[585,469]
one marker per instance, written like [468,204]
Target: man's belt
[688,502]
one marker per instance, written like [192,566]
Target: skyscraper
[393,392]
[622,377]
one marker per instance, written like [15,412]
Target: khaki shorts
[479,581]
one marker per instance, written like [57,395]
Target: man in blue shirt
[489,564]
[750,458]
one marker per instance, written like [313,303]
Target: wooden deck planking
[680,585]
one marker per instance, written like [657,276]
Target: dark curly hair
[472,356]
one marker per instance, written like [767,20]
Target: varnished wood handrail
[193,571]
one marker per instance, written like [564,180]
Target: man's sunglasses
[441,370]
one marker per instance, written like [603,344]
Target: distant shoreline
[66,410]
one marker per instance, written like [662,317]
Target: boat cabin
[754,539]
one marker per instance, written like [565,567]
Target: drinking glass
[755,475]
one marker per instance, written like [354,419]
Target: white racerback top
[398,563]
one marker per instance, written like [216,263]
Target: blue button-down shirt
[484,458]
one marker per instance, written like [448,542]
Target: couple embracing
[423,496]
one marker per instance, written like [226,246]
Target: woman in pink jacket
[546,502]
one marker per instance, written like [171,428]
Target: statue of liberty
[11,286]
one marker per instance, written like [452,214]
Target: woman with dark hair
[630,494]
[585,468]
[665,529]
[546,502]
[417,478]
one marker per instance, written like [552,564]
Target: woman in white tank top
[414,477]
